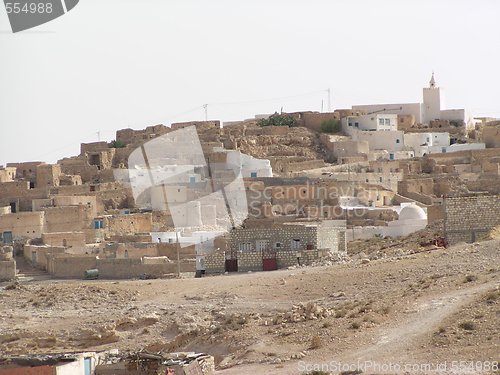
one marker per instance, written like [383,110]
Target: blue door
[253,174]
[87,366]
[7,237]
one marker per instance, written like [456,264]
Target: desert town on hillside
[207,200]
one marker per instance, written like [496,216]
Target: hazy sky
[113,64]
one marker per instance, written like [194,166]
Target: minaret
[432,82]
[433,103]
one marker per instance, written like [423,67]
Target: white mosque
[432,108]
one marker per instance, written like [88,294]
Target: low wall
[114,268]
[7,270]
[70,267]
[215,263]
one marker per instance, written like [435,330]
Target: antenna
[205,106]
[98,136]
[329,100]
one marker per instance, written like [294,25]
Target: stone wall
[275,235]
[7,270]
[491,136]
[253,260]
[68,239]
[132,250]
[128,224]
[38,256]
[67,218]
[250,261]
[470,218]
[67,266]
[47,175]
[215,263]
[23,224]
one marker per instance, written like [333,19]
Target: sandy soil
[428,307]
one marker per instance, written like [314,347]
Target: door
[269,261]
[7,237]
[270,264]
[87,366]
[231,265]
[33,258]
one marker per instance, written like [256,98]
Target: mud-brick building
[470,218]
[278,245]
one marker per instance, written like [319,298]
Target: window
[356,124]
[245,246]
[261,245]
[253,174]
[277,245]
[388,121]
[295,244]
[381,121]
[380,179]
[397,140]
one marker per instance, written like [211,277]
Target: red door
[269,264]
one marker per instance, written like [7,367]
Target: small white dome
[412,212]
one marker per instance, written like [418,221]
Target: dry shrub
[315,342]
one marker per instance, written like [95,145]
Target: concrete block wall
[250,261]
[286,259]
[284,235]
[215,263]
[470,218]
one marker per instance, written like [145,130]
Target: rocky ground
[405,307]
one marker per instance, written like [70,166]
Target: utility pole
[329,100]
[205,106]
[178,255]
[99,136]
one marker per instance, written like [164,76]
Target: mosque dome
[412,212]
